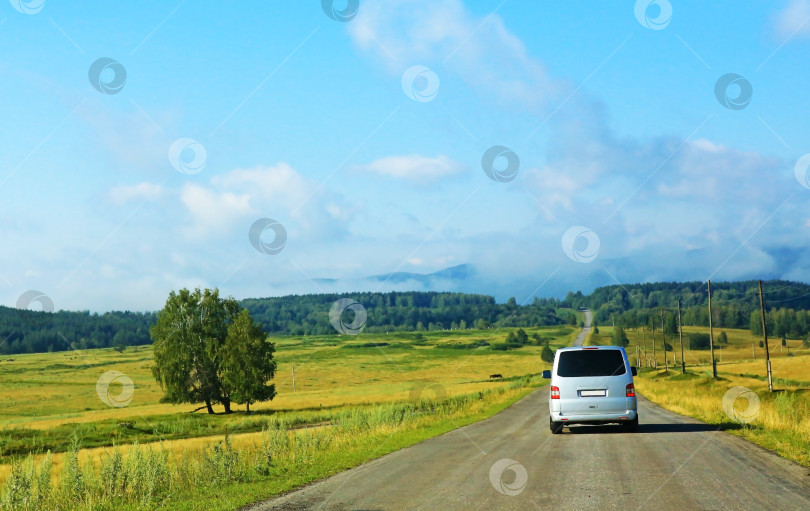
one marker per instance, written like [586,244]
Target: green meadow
[347,393]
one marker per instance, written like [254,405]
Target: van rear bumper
[608,418]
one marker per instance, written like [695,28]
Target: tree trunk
[247,407]
[208,406]
[226,402]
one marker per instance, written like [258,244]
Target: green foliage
[547,355]
[27,331]
[247,362]
[699,341]
[190,343]
[401,311]
[34,332]
[619,337]
[734,304]
[505,346]
[722,338]
[72,481]
[478,343]
[153,477]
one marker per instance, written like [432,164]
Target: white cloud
[794,18]
[414,168]
[142,191]
[279,192]
[443,35]
[212,212]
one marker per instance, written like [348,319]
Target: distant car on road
[592,385]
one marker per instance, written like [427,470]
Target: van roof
[579,348]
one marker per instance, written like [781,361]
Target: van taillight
[555,392]
[631,390]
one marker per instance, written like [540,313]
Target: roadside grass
[50,399]
[779,421]
[742,346]
[226,475]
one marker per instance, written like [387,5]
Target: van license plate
[592,393]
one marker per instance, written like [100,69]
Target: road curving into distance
[586,329]
[512,461]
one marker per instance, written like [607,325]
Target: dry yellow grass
[46,391]
[779,421]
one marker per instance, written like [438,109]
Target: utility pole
[655,358]
[680,336]
[765,338]
[711,333]
[664,342]
[293,375]
[644,343]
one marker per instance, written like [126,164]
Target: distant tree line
[408,311]
[734,305]
[23,331]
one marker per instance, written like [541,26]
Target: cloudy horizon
[259,148]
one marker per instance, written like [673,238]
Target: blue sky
[630,169]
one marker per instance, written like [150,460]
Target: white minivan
[592,385]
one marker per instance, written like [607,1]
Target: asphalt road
[512,461]
[585,330]
[672,462]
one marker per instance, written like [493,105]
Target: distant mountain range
[462,278]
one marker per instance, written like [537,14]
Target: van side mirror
[633,371]
[547,374]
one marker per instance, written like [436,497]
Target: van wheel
[556,427]
[631,425]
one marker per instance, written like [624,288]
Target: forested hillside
[309,314]
[734,304]
[23,331]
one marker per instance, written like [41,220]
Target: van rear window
[591,363]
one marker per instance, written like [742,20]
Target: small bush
[699,341]
[547,355]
